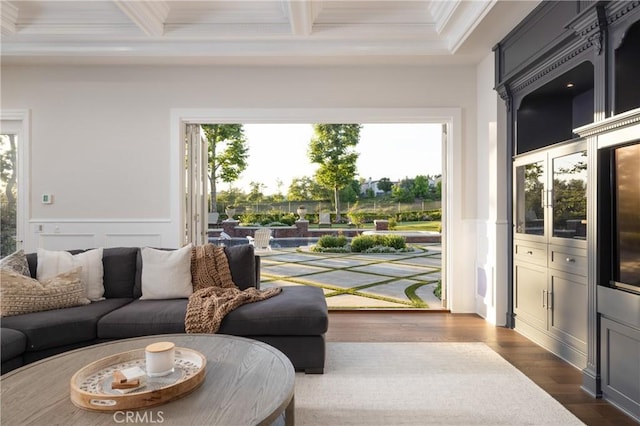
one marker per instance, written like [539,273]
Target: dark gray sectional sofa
[294,321]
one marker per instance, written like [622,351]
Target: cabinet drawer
[531,252]
[568,259]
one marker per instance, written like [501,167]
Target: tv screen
[626,217]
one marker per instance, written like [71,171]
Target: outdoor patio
[360,281]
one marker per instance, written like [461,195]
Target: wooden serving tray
[91,385]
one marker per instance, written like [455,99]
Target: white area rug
[422,384]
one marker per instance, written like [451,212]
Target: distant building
[372,185]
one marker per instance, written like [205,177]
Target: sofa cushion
[144,317]
[297,310]
[49,329]
[16,261]
[51,263]
[120,267]
[242,263]
[14,343]
[166,274]
[20,294]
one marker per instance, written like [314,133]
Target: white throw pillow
[52,263]
[166,274]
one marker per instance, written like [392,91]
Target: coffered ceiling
[262,31]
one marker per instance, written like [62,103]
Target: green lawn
[433,225]
[401,226]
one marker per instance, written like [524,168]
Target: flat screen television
[625,215]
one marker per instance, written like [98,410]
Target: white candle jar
[160,358]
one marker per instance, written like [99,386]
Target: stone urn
[230,211]
[302,211]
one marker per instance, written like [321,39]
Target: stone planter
[301,212]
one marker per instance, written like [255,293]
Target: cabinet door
[530,198]
[568,308]
[530,294]
[568,182]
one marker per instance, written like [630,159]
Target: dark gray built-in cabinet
[569,77]
[550,249]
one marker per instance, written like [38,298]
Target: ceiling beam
[9,14]
[149,16]
[301,13]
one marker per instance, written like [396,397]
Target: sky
[395,151]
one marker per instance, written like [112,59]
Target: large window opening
[448,123]
[352,208]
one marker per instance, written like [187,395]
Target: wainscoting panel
[133,240]
[69,234]
[67,241]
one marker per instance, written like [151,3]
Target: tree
[331,148]
[385,185]
[305,188]
[228,153]
[401,194]
[255,194]
[421,187]
[278,197]
[350,192]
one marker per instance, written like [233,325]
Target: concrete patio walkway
[359,281]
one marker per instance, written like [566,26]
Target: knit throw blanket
[214,292]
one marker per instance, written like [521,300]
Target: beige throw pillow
[166,274]
[20,294]
[16,261]
[52,263]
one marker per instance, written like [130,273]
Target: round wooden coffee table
[247,383]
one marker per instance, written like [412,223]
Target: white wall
[100,139]
[491,244]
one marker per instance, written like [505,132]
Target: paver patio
[359,281]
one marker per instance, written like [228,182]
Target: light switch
[47,198]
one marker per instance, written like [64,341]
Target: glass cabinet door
[569,185]
[529,200]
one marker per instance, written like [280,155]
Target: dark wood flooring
[560,379]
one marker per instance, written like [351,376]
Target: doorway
[13,180]
[452,170]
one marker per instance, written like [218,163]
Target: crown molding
[442,12]
[149,16]
[460,25]
[301,16]
[9,14]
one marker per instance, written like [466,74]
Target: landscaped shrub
[397,242]
[319,249]
[267,219]
[356,218]
[330,241]
[437,291]
[288,218]
[250,219]
[362,243]
[372,243]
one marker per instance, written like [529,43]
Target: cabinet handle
[570,259]
[530,252]
[544,298]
